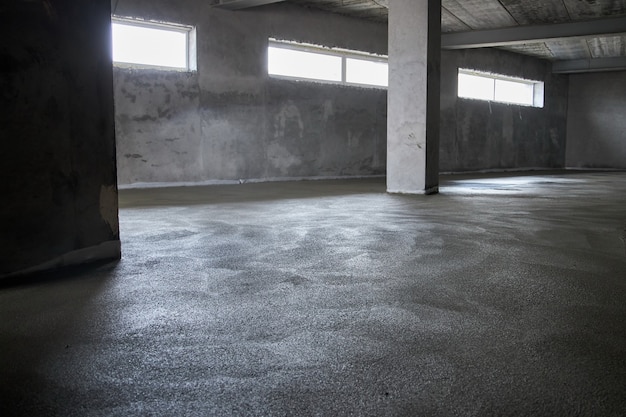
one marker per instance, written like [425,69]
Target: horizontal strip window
[145,44]
[312,62]
[500,88]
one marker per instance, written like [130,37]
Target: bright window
[500,88]
[362,71]
[149,44]
[301,64]
[311,62]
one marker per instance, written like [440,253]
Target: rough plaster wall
[596,127]
[229,120]
[479,135]
[159,112]
[59,191]
[325,131]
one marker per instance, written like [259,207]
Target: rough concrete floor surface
[497,297]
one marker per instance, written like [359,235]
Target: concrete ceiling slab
[569,49]
[376,10]
[537,12]
[508,24]
[479,14]
[538,50]
[451,23]
[241,4]
[589,65]
[535,33]
[608,47]
[579,10]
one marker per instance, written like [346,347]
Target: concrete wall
[59,194]
[230,121]
[596,128]
[480,135]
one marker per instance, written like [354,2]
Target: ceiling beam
[589,65]
[536,33]
[242,4]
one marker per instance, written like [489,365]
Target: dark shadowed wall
[596,127]
[59,193]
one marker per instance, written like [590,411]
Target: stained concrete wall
[596,128]
[479,135]
[59,194]
[229,120]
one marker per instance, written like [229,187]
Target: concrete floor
[498,297]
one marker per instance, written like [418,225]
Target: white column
[413,96]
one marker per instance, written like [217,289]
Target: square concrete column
[413,96]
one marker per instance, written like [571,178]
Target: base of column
[428,191]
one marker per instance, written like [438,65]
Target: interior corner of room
[374,132]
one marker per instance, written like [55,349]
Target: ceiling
[579,35]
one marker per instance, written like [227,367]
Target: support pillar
[413,96]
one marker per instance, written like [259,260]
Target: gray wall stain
[288,119]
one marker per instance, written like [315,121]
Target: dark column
[58,170]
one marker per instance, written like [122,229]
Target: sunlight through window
[301,64]
[361,71]
[499,88]
[151,44]
[312,62]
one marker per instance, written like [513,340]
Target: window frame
[344,54]
[537,86]
[190,43]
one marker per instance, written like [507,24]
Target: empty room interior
[313,208]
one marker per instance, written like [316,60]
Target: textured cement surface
[500,296]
